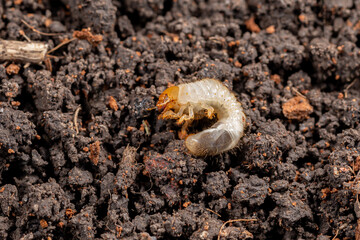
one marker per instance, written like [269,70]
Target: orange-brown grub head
[170,95]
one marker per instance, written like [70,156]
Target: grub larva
[205,98]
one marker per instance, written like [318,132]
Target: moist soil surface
[83,156]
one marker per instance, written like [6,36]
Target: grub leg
[170,114]
[209,110]
[183,132]
[186,117]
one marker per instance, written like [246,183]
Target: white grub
[205,98]
[27,52]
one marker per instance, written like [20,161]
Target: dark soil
[112,170]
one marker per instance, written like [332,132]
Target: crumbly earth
[83,157]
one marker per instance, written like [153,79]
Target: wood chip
[297,108]
[94,152]
[251,25]
[270,29]
[113,104]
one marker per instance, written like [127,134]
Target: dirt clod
[12,69]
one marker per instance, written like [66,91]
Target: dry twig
[348,87]
[234,220]
[76,118]
[32,52]
[37,31]
[213,212]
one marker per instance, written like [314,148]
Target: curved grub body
[205,98]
